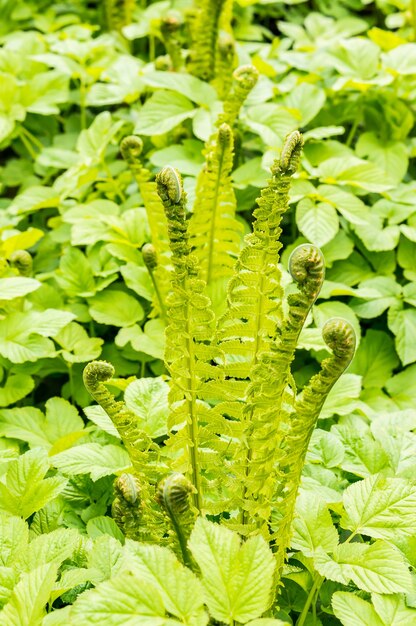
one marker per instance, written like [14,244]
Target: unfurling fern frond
[22,261]
[244,80]
[340,338]
[174,494]
[215,233]
[204,32]
[169,27]
[118,13]
[131,148]
[188,338]
[126,508]
[225,63]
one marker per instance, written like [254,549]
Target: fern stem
[312,593]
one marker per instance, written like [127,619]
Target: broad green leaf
[196,90]
[97,415]
[363,455]
[325,448]
[237,578]
[138,279]
[352,610]
[16,387]
[187,157]
[318,222]
[21,240]
[14,537]
[357,57]
[104,526]
[382,292]
[93,459]
[180,590]
[26,490]
[77,346]
[343,397]
[93,142]
[75,275]
[392,609]
[125,600]
[271,122]
[106,557]
[350,207]
[115,308]
[150,342]
[323,312]
[15,287]
[402,388]
[313,527]
[53,547]
[354,172]
[305,100]
[33,199]
[375,359]
[162,112]
[378,567]
[148,399]
[405,331]
[390,156]
[27,604]
[401,60]
[380,507]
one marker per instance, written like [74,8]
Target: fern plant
[238,428]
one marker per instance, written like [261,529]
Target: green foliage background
[74,82]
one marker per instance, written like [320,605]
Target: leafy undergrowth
[74,82]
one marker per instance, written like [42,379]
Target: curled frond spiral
[22,261]
[169,184]
[244,79]
[126,508]
[307,268]
[291,153]
[127,487]
[131,147]
[339,335]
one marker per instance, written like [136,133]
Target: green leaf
[26,490]
[16,387]
[305,101]
[115,308]
[390,156]
[318,222]
[381,293]
[375,359]
[75,275]
[27,604]
[14,537]
[179,588]
[363,455]
[325,448]
[97,415]
[392,609]
[402,388]
[137,278]
[356,57]
[93,459]
[93,141]
[162,112]
[352,208]
[15,287]
[343,397]
[352,610]
[355,172]
[378,567]
[380,507]
[53,547]
[196,90]
[104,526]
[405,331]
[148,399]
[237,578]
[150,342]
[77,346]
[271,122]
[32,199]
[401,60]
[313,527]
[323,312]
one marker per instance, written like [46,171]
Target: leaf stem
[312,593]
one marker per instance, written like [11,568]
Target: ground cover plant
[207,216]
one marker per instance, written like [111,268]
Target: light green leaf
[356,57]
[380,507]
[93,141]
[179,588]
[75,275]
[271,122]
[405,331]
[352,610]
[318,222]
[363,455]
[104,526]
[162,112]
[15,287]
[97,415]
[401,60]
[375,359]
[355,172]
[378,567]
[343,397]
[381,293]
[26,490]
[125,600]
[27,604]
[305,101]
[16,387]
[196,90]
[402,388]
[93,459]
[150,342]
[148,399]
[14,537]
[237,578]
[115,308]
[352,208]
[137,278]
[106,557]
[53,547]
[393,610]
[313,527]
[77,346]
[33,199]
[325,448]
[390,156]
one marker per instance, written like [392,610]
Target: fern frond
[340,338]
[169,27]
[225,63]
[118,13]
[204,32]
[126,509]
[131,148]
[22,261]
[214,231]
[174,495]
[189,354]
[244,80]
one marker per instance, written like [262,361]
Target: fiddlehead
[22,261]
[204,31]
[126,508]
[174,496]
[188,337]
[244,80]
[131,148]
[169,27]
[340,337]
[225,63]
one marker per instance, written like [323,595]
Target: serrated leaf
[162,112]
[313,527]
[17,386]
[52,547]
[380,507]
[392,610]
[106,557]
[375,359]
[16,287]
[14,537]
[115,308]
[33,199]
[317,221]
[378,567]
[237,578]
[179,588]
[93,459]
[148,399]
[352,610]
